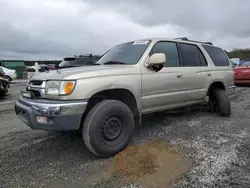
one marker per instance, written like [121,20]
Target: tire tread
[90,116]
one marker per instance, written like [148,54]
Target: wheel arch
[121,94]
[215,85]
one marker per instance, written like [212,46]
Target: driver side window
[171,52]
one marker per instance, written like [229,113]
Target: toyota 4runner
[106,101]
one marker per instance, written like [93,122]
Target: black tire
[220,103]
[97,134]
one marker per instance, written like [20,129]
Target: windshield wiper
[114,62]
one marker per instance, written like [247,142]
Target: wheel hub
[111,128]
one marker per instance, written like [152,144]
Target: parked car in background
[233,64]
[79,61]
[235,61]
[30,69]
[18,66]
[47,67]
[242,61]
[4,84]
[242,73]
[10,74]
[2,74]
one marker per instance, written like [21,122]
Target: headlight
[59,87]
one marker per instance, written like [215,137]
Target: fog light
[28,95]
[42,119]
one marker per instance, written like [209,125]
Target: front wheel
[108,128]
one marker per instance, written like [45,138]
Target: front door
[162,89]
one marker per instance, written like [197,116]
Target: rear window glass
[217,55]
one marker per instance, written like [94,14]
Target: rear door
[195,72]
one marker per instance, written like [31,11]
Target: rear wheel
[219,102]
[108,128]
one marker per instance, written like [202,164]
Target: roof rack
[181,38]
[186,39]
[87,55]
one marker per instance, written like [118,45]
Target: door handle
[209,74]
[179,75]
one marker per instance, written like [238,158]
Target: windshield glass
[76,62]
[245,64]
[128,53]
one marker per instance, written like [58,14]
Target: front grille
[36,87]
[35,82]
[36,93]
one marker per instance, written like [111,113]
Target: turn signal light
[68,87]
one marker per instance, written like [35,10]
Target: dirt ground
[151,164]
[182,149]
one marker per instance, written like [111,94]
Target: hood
[87,72]
[6,70]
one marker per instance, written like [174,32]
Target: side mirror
[156,61]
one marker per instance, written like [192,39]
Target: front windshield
[245,64]
[128,53]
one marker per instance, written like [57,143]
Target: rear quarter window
[217,55]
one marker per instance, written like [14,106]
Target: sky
[53,29]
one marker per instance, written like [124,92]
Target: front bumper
[61,115]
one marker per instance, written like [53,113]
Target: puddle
[152,164]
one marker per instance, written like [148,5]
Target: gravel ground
[219,146]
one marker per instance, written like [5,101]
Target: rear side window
[217,55]
[192,56]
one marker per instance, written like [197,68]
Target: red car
[242,73]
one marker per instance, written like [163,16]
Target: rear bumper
[61,115]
